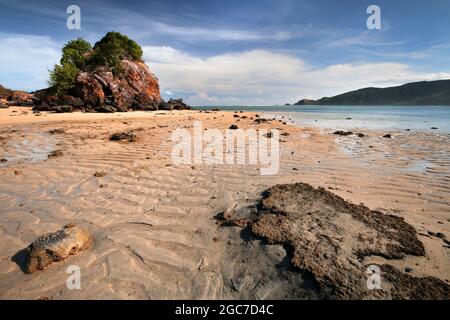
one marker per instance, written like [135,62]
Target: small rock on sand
[55,153]
[100,174]
[57,131]
[56,246]
[130,136]
[388,135]
[343,133]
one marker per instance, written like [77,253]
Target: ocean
[414,118]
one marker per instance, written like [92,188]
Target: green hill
[436,93]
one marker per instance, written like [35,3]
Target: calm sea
[364,117]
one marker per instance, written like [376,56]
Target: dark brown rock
[56,246]
[330,239]
[343,133]
[130,136]
[21,98]
[76,103]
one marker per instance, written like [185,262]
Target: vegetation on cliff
[113,48]
[78,55]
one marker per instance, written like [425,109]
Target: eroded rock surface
[21,98]
[99,90]
[56,246]
[331,239]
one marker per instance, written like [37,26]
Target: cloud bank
[262,77]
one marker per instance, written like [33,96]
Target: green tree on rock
[113,48]
[78,55]
[63,75]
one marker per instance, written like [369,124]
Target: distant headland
[435,93]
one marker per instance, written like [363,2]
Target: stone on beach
[343,133]
[118,136]
[55,153]
[57,246]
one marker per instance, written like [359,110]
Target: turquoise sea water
[415,118]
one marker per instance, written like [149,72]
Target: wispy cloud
[220,34]
[26,59]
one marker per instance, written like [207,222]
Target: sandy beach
[154,223]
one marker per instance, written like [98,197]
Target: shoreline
[153,223]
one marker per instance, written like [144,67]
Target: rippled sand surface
[153,222]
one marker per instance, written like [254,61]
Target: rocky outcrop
[15,98]
[334,240]
[135,87]
[173,104]
[21,98]
[56,246]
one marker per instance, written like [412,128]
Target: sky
[240,52]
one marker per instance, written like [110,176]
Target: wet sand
[153,223]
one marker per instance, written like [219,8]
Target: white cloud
[265,77]
[26,59]
[246,77]
[215,34]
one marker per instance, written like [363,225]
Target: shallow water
[33,147]
[416,118]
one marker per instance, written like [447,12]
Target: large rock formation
[108,77]
[335,241]
[134,88]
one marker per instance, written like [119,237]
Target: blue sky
[240,52]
